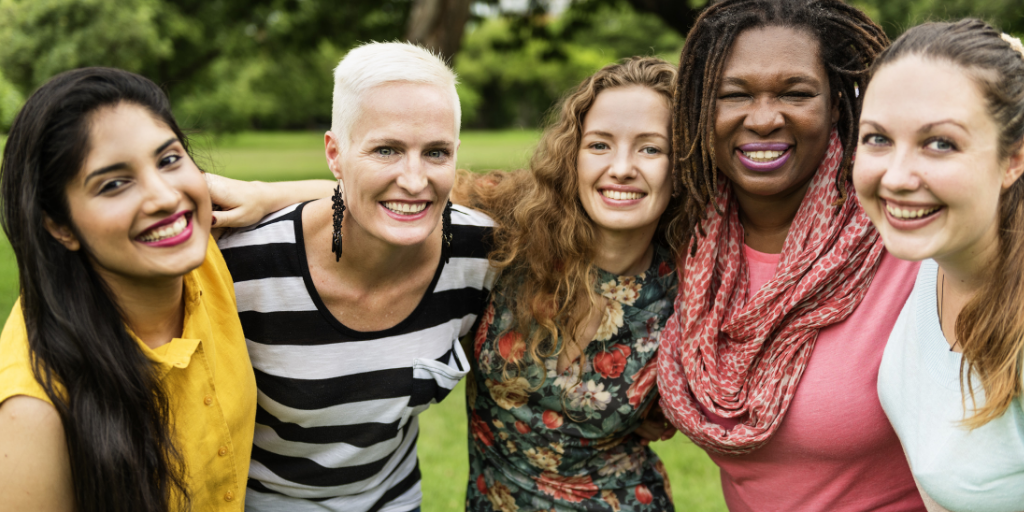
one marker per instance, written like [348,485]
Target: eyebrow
[123,165]
[924,128]
[793,80]
[398,143]
[600,133]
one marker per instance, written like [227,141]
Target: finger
[234,218]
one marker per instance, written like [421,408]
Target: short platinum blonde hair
[374,64]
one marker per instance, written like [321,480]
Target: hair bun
[1014,43]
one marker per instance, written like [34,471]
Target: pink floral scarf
[742,356]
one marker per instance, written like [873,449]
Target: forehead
[773,55]
[629,109]
[123,132]
[913,91]
[405,111]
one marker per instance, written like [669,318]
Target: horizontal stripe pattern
[336,421]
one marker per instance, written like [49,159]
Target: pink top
[835,450]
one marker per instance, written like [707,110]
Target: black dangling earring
[446,232]
[339,214]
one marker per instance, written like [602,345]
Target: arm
[35,472]
[244,203]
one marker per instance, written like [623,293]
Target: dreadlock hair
[544,242]
[990,328]
[848,42]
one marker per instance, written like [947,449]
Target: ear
[63,234]
[332,150]
[1016,165]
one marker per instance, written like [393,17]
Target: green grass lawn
[442,442]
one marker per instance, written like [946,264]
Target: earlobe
[1015,167]
[63,234]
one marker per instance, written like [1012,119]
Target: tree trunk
[438,25]
[675,13]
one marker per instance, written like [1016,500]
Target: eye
[599,146]
[799,95]
[112,185]
[170,159]
[438,154]
[874,139]
[650,150]
[733,96]
[385,151]
[941,145]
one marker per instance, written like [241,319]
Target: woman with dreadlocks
[787,295]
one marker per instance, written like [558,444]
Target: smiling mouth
[620,195]
[910,213]
[166,231]
[763,156]
[403,208]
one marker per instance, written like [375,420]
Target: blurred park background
[251,79]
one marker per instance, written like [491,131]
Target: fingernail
[213,220]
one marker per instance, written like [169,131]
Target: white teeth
[620,195]
[405,208]
[901,213]
[763,156]
[167,231]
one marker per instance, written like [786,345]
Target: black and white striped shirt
[336,422]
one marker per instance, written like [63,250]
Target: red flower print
[511,346]
[643,494]
[481,484]
[480,430]
[481,333]
[664,269]
[522,427]
[643,381]
[567,488]
[610,364]
[552,419]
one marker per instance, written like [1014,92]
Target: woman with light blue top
[938,170]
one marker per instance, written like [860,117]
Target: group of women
[752,249]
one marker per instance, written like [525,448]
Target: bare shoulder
[35,473]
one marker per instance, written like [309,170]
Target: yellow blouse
[206,374]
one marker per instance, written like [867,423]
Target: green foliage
[514,68]
[897,16]
[11,101]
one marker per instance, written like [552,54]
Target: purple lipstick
[772,148]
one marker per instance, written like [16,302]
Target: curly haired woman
[566,350]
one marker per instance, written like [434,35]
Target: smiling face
[623,164]
[928,169]
[399,165]
[139,205]
[774,112]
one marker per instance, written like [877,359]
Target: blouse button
[208,400]
[228,496]
[223,451]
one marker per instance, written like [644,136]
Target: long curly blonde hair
[545,243]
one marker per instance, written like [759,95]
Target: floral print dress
[541,440]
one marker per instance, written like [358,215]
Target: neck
[961,275]
[154,310]
[766,219]
[625,253]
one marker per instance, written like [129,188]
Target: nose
[161,196]
[901,172]
[764,117]
[623,166]
[413,178]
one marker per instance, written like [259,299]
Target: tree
[438,25]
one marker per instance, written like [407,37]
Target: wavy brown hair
[990,328]
[848,42]
[545,243]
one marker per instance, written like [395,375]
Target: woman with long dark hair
[124,379]
[787,295]
[938,170]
